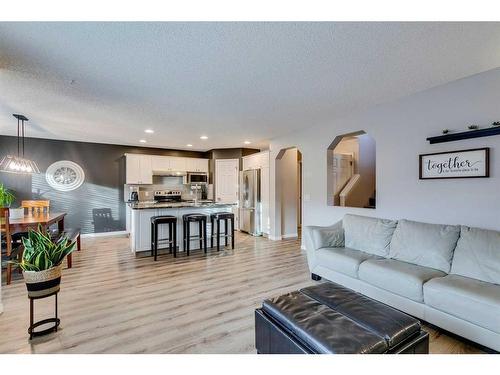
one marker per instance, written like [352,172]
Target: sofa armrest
[331,236]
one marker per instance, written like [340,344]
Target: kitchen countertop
[154,205]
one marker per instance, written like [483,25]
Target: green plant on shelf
[6,196]
[41,252]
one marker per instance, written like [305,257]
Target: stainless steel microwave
[197,178]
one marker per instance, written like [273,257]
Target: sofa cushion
[368,234]
[473,300]
[478,255]
[332,236]
[428,245]
[342,259]
[401,278]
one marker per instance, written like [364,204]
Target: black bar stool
[172,233]
[217,218]
[202,231]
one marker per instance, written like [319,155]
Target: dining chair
[36,207]
[7,241]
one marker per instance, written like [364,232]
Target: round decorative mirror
[65,175]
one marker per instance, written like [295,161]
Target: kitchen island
[140,221]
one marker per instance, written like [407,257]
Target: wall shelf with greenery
[477,133]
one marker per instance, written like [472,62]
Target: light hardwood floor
[114,302]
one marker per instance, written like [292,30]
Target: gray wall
[400,130]
[104,167]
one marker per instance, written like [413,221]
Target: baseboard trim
[275,238]
[105,234]
[291,235]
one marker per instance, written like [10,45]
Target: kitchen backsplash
[162,183]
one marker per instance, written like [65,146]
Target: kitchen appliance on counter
[250,203]
[134,194]
[167,196]
[197,178]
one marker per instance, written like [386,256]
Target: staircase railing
[351,184]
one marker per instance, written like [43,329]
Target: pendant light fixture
[18,164]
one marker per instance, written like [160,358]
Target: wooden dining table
[45,219]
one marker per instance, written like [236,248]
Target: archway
[351,178]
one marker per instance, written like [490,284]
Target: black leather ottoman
[329,318]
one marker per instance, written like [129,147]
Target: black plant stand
[33,325]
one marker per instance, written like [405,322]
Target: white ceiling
[107,82]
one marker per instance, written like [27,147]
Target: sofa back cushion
[368,234]
[428,245]
[478,255]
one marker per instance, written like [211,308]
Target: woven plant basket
[43,283]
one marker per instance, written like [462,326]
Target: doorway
[289,183]
[226,180]
[351,171]
[227,184]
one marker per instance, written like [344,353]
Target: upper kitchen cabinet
[139,169]
[197,165]
[256,161]
[168,164]
[160,163]
[178,164]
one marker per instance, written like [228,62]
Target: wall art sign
[65,175]
[455,164]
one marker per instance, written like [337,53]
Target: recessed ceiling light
[189,145]
[149,131]
[142,140]
[247,142]
[203,137]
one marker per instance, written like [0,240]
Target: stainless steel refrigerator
[250,204]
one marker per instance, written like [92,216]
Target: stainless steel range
[167,196]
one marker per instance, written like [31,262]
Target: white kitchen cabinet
[256,161]
[202,165]
[196,165]
[190,164]
[138,169]
[168,163]
[160,163]
[178,164]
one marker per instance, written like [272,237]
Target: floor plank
[114,302]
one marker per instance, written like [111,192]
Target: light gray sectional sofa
[447,275]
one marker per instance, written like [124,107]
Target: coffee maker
[134,193]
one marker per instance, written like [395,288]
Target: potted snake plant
[42,262]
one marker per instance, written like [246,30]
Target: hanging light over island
[19,164]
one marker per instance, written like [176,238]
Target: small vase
[43,283]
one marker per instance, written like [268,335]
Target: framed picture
[472,163]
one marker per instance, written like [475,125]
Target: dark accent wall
[104,167]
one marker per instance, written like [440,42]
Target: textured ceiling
[107,82]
